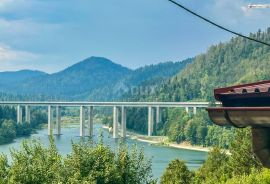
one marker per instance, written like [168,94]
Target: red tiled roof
[258,87]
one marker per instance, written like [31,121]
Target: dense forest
[234,62]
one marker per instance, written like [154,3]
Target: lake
[160,155]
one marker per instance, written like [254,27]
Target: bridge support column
[115,122]
[124,122]
[158,117]
[90,122]
[27,113]
[150,121]
[50,123]
[58,120]
[194,110]
[19,114]
[82,121]
[187,110]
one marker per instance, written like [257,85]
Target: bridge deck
[127,104]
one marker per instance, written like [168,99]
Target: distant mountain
[18,76]
[10,80]
[94,78]
[158,71]
[78,80]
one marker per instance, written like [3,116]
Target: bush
[177,173]
[87,163]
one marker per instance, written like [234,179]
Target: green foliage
[176,173]
[35,164]
[236,165]
[243,160]
[214,169]
[87,163]
[3,169]
[256,177]
[9,129]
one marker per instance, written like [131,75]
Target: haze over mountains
[94,78]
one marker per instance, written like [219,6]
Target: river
[160,155]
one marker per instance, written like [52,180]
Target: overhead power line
[217,25]
[259,5]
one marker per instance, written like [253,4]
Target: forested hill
[11,79]
[234,62]
[94,78]
[159,71]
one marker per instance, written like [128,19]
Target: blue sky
[50,35]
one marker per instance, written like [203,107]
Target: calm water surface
[161,156]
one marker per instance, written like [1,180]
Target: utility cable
[217,25]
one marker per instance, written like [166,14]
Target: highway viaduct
[86,109]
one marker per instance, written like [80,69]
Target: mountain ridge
[94,78]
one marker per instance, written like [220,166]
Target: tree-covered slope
[237,61]
[9,80]
[159,71]
[234,62]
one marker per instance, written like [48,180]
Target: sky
[50,35]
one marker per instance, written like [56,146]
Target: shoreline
[162,141]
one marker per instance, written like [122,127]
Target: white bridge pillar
[158,116]
[19,114]
[150,121]
[27,113]
[82,121]
[124,122]
[90,121]
[50,120]
[115,121]
[58,120]
[194,110]
[187,110]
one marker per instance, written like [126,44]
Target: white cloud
[11,5]
[236,14]
[11,59]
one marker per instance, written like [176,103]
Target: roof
[252,94]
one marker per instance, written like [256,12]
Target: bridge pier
[124,122]
[19,114]
[50,119]
[187,110]
[158,116]
[115,121]
[82,121]
[58,120]
[150,121]
[194,110]
[27,113]
[90,121]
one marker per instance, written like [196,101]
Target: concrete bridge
[86,109]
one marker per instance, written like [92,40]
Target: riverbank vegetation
[97,163]
[240,167]
[10,129]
